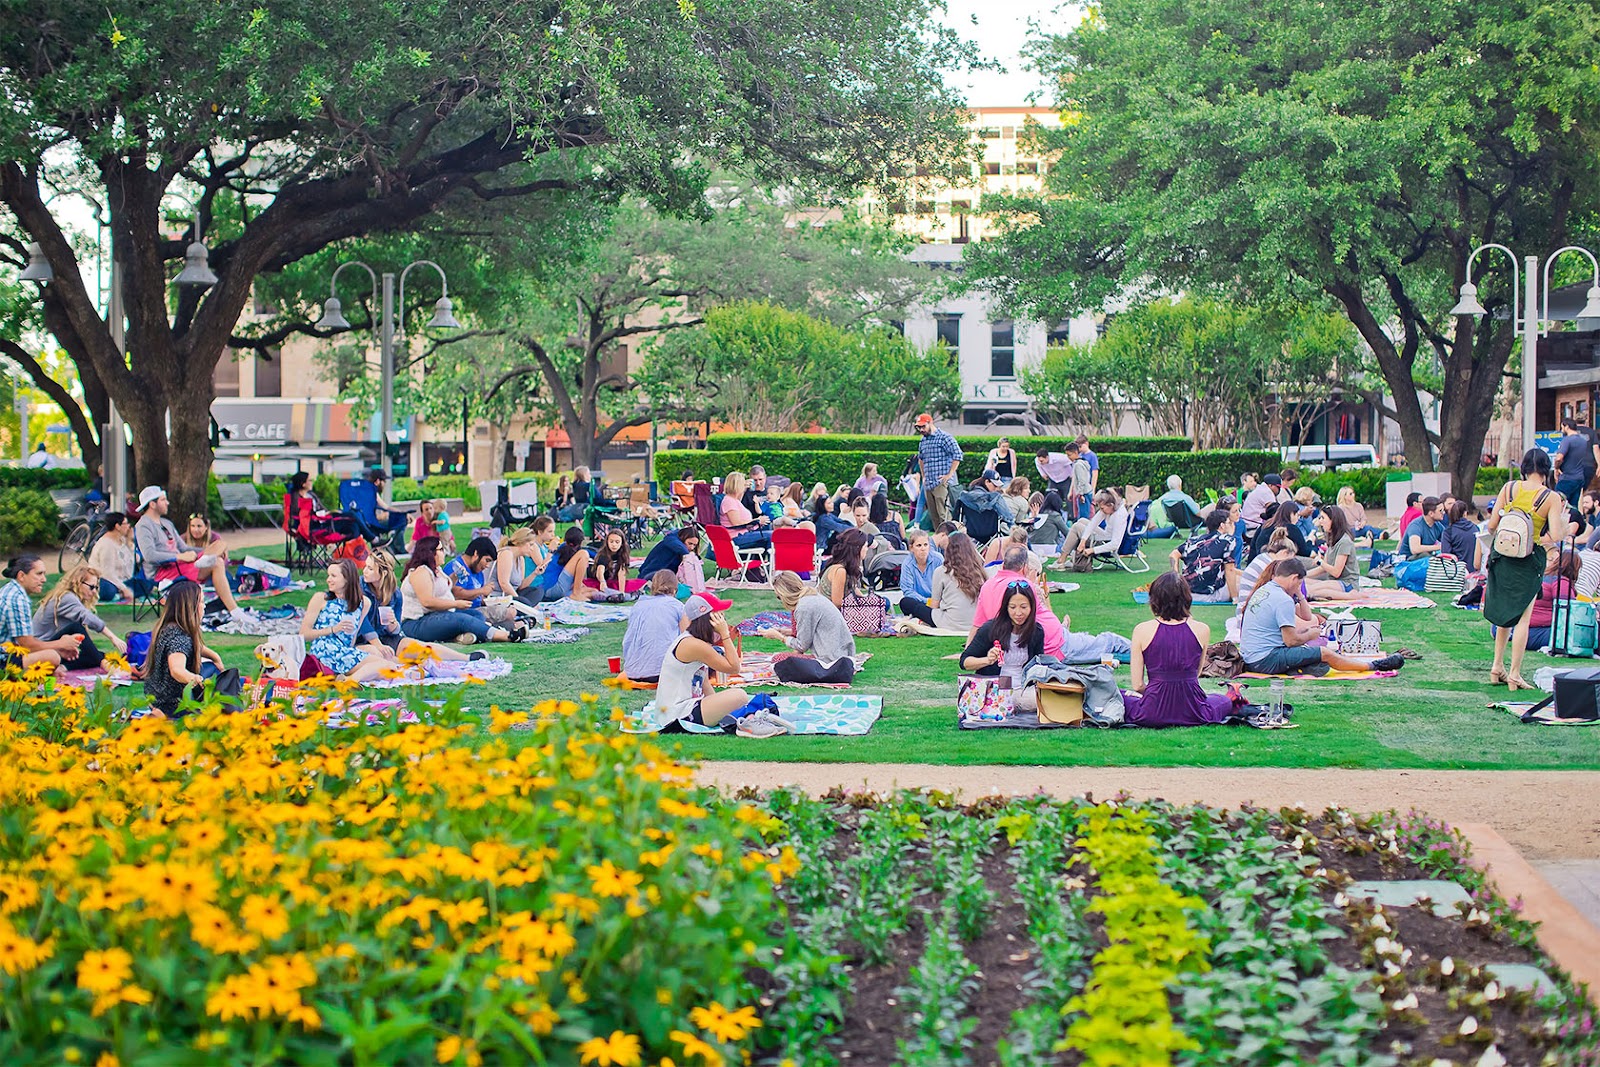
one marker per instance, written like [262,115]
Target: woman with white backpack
[1526,513]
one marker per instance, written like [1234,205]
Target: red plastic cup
[615,663]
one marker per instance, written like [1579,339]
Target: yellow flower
[101,972]
[128,994]
[448,1049]
[107,1060]
[265,916]
[696,1046]
[723,1024]
[618,1050]
[19,953]
[14,689]
[610,881]
[542,1020]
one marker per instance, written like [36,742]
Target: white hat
[149,495]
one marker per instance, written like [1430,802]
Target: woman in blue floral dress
[332,624]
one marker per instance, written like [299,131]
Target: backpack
[1515,536]
[355,550]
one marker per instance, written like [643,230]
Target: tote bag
[1446,574]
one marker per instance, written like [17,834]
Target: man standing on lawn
[1575,460]
[938,456]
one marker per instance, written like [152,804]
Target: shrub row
[1370,483]
[28,517]
[855,442]
[1199,470]
[44,478]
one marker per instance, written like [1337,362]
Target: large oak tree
[1303,151]
[293,124]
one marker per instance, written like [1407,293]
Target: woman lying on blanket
[332,622]
[821,635]
[1335,577]
[1005,644]
[380,630]
[430,611]
[682,692]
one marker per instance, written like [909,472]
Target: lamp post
[388,331]
[1525,316]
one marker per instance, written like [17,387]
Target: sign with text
[1006,391]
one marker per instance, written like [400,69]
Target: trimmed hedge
[28,518]
[858,442]
[438,487]
[1199,470]
[44,478]
[1370,482]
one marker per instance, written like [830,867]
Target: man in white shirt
[1101,533]
[1260,498]
[1055,468]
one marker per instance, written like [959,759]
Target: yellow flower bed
[257,887]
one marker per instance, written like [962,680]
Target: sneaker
[519,632]
[479,654]
[1389,663]
[467,639]
[763,724]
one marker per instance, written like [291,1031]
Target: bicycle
[83,530]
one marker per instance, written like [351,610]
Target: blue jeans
[446,626]
[754,539]
[922,509]
[1238,543]
[1571,488]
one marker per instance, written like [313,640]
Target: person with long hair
[431,611]
[794,502]
[1050,523]
[200,535]
[957,582]
[380,629]
[668,552]
[1460,538]
[68,610]
[517,565]
[114,559]
[27,577]
[1334,578]
[612,563]
[564,574]
[1278,547]
[1355,515]
[820,635]
[1514,582]
[844,582]
[691,568]
[1282,516]
[332,622]
[1015,497]
[888,523]
[1165,663]
[682,692]
[1005,644]
[179,662]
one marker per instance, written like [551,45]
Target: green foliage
[28,518]
[325,487]
[214,513]
[44,478]
[1199,470]
[1026,445]
[1370,483]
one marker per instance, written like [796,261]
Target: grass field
[1433,715]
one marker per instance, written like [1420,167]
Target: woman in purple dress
[1166,663]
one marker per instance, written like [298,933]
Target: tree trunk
[189,456]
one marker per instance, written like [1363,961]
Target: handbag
[981,699]
[1446,574]
[865,613]
[1061,702]
[1355,637]
[1221,659]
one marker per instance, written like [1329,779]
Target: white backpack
[1514,537]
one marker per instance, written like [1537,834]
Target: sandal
[1515,683]
[1408,653]
[1497,677]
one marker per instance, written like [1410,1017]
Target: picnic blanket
[264,594]
[89,679]
[344,714]
[1383,598]
[564,636]
[1545,716]
[758,670]
[783,620]
[256,625]
[832,714]
[571,612]
[1331,676]
[446,672]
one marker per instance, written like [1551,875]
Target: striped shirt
[16,612]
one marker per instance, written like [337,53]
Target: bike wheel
[75,549]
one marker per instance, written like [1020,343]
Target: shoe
[477,655]
[763,724]
[519,632]
[1408,653]
[1318,670]
[1389,663]
[467,639]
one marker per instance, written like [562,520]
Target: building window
[1060,334]
[1008,132]
[989,133]
[1003,349]
[947,328]
[924,207]
[991,168]
[1028,168]
[269,373]
[225,380]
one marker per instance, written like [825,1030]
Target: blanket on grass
[1382,598]
[917,626]
[571,612]
[89,679]
[752,626]
[758,670]
[816,714]
[279,621]
[1331,676]
[1545,716]
[445,672]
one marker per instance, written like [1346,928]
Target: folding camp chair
[705,505]
[1129,555]
[1181,515]
[310,536]
[794,549]
[148,594]
[728,556]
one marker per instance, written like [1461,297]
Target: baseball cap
[149,495]
[991,475]
[704,604]
[924,419]
[1273,479]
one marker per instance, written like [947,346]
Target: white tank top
[681,684]
[411,608]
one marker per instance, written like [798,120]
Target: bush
[800,442]
[1370,482]
[1199,470]
[44,478]
[438,487]
[28,518]
[214,513]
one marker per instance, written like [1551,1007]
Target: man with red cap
[938,457]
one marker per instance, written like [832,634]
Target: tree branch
[88,442]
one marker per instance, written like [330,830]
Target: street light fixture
[389,329]
[38,268]
[1526,316]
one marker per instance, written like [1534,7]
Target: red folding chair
[794,549]
[728,556]
[705,507]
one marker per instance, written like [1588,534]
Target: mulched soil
[876,1021]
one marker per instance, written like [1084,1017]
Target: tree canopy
[1297,152]
[293,125]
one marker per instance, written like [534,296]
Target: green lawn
[1432,715]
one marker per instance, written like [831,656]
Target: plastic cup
[615,663]
[386,616]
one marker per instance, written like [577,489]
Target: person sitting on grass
[27,577]
[516,566]
[333,621]
[1560,583]
[380,629]
[200,534]
[956,585]
[564,574]
[1099,535]
[827,647]
[1283,516]
[468,572]
[426,524]
[1205,560]
[682,692]
[1356,516]
[1007,643]
[653,625]
[1460,538]
[667,552]
[1016,565]
[1275,635]
[1279,547]
[1334,578]
[611,565]
[68,611]
[167,556]
[431,612]
[691,568]
[1165,663]
[115,560]
[916,576]
[1015,497]
[1050,523]
[844,578]
[996,548]
[179,662]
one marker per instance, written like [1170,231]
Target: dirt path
[1545,814]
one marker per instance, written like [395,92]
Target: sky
[1000,29]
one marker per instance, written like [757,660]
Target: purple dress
[1172,693]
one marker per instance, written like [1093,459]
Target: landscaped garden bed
[262,888]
